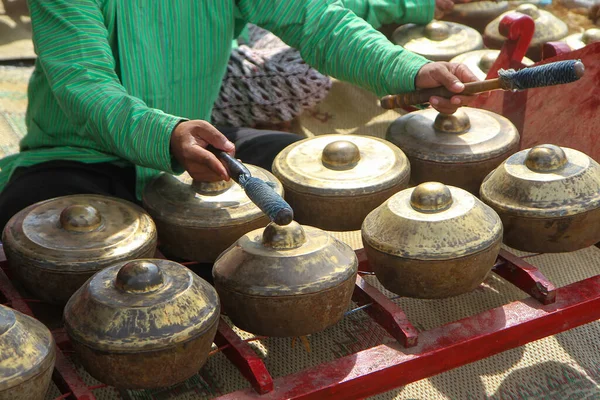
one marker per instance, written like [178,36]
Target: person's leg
[258,147]
[268,83]
[61,178]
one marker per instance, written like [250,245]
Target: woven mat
[15,31]
[564,366]
[13,103]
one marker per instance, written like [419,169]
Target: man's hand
[449,75]
[188,145]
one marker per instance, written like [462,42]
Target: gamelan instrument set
[434,202]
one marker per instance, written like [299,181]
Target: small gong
[56,245]
[458,149]
[438,40]
[548,198]
[333,181]
[198,220]
[432,241]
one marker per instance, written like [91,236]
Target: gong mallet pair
[556,73]
[260,192]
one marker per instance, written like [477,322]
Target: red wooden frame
[416,355]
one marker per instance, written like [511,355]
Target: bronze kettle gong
[548,28]
[27,356]
[476,14]
[143,324]
[438,40]
[580,40]
[286,281]
[56,245]
[333,181]
[548,198]
[198,220]
[458,149]
[481,61]
[432,241]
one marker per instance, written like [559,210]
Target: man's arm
[382,12]
[338,43]
[71,42]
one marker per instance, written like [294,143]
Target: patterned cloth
[267,82]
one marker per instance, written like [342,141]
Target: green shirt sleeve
[71,43]
[335,41]
[381,12]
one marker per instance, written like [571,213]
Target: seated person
[124,89]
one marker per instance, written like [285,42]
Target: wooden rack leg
[244,358]
[385,312]
[526,277]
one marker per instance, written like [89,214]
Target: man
[277,84]
[123,89]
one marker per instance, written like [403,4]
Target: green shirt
[376,12]
[114,77]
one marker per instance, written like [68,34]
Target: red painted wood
[363,262]
[385,312]
[526,277]
[244,358]
[518,30]
[386,367]
[66,378]
[553,49]
[564,115]
[10,293]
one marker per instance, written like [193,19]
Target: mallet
[556,73]
[260,192]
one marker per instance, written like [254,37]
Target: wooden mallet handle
[556,73]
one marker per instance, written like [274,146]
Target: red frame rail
[416,355]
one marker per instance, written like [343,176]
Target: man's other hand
[189,141]
[449,75]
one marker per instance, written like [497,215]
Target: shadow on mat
[549,380]
[582,345]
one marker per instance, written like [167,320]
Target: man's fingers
[443,105]
[204,174]
[455,101]
[198,157]
[212,136]
[462,72]
[445,78]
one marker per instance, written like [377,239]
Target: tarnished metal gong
[54,246]
[432,241]
[580,40]
[333,181]
[143,324]
[438,40]
[286,281]
[198,220]
[548,198]
[458,149]
[548,28]
[481,61]
[476,14]
[27,356]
